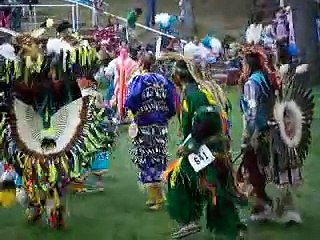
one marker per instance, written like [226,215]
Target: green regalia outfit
[213,187]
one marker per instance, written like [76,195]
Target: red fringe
[273,77]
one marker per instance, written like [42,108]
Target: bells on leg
[155,196]
[150,196]
[285,209]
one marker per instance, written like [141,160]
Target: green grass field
[119,213]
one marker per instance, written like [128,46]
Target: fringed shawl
[125,67]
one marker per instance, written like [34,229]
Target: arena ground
[119,213]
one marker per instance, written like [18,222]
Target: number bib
[202,159]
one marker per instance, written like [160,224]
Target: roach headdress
[264,63]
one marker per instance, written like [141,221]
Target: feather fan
[30,129]
[293,112]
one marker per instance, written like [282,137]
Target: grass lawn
[120,214]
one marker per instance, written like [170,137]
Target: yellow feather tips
[175,173]
[64,163]
[209,97]
[53,174]
[130,115]
[49,132]
[185,106]
[56,198]
[87,56]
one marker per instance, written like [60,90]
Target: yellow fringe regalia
[51,126]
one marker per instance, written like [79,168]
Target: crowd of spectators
[11,16]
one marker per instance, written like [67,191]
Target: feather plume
[163,19]
[55,45]
[7,51]
[297,119]
[283,70]
[29,126]
[293,113]
[84,43]
[302,68]
[253,33]
[49,23]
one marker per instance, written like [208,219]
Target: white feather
[71,124]
[253,33]
[29,125]
[7,51]
[302,68]
[216,46]
[54,45]
[163,19]
[283,70]
[84,43]
[298,120]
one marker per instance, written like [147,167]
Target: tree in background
[305,26]
[187,17]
